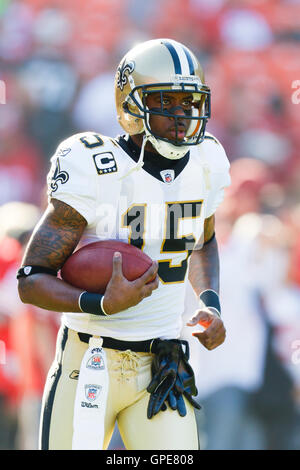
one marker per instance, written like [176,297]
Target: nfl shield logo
[168,176]
[95,362]
[92,391]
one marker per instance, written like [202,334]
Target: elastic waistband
[147,346]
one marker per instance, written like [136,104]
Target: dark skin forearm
[204,274]
[204,262]
[50,293]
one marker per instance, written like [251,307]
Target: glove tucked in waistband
[172,378]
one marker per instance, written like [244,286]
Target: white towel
[91,398]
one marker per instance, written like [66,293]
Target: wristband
[26,271]
[210,298]
[92,303]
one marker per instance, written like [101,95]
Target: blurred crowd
[57,62]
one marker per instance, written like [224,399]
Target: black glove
[164,372]
[172,377]
[176,402]
[184,385]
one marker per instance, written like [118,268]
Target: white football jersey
[162,214]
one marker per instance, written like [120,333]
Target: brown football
[90,267]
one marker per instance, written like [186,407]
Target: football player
[119,356]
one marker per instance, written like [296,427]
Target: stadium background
[57,61]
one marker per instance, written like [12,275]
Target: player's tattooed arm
[52,242]
[204,263]
[55,237]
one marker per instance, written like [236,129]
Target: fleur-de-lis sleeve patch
[58,176]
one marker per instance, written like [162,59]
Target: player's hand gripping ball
[90,267]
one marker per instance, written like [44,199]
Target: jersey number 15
[172,243]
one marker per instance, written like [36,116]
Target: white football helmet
[161,65]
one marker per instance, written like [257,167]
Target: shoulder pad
[211,137]
[214,155]
[82,140]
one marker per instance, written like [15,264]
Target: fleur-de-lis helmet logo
[124,70]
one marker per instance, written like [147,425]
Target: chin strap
[140,162]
